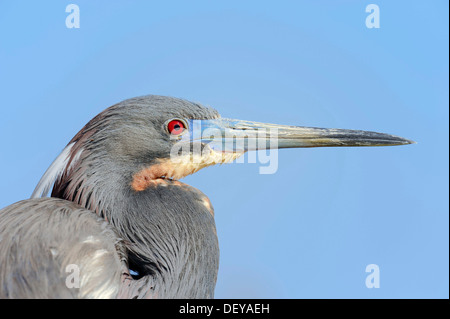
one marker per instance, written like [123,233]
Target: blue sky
[310,230]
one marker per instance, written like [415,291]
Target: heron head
[151,139]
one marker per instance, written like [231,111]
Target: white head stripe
[55,171]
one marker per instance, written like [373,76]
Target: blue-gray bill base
[119,223]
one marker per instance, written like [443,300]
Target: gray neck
[169,229]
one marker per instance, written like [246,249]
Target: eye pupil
[175,127]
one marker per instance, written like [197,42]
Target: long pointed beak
[228,135]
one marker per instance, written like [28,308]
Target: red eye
[175,127]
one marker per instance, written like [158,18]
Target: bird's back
[53,248]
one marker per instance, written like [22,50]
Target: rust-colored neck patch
[159,173]
[164,169]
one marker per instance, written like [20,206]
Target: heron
[119,223]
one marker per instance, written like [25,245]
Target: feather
[54,172]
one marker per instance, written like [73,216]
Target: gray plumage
[40,238]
